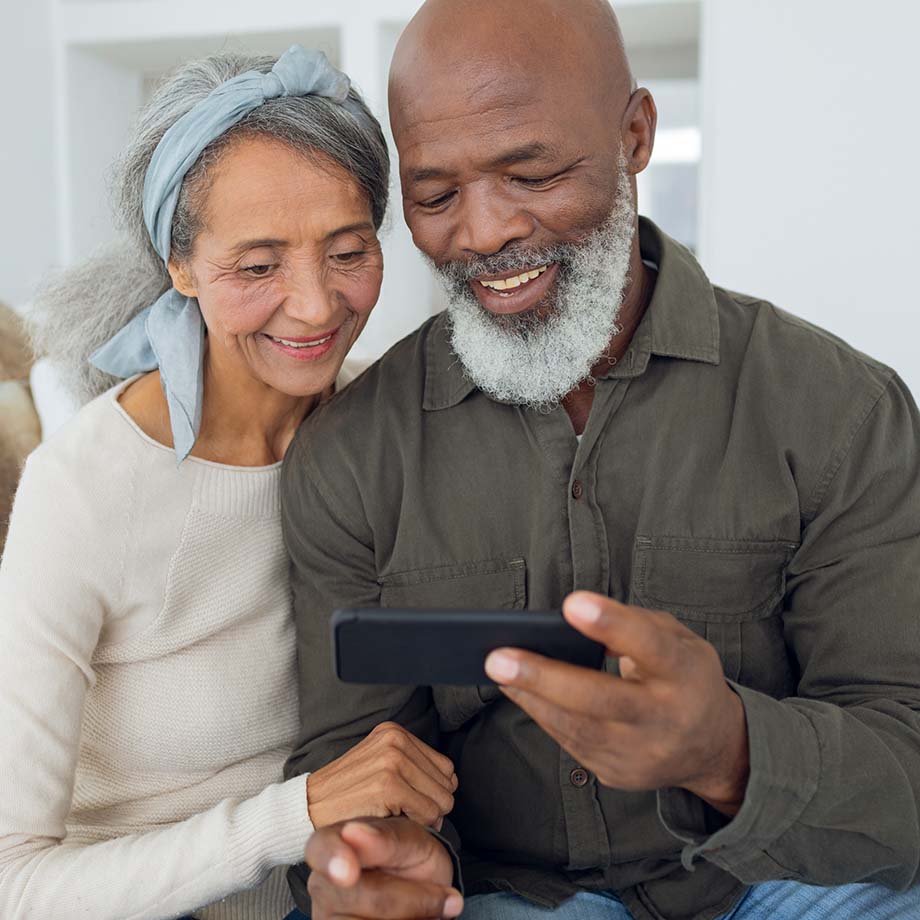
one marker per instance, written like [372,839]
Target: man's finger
[329,855]
[396,845]
[580,735]
[653,640]
[381,896]
[579,690]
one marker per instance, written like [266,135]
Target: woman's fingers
[403,797]
[390,772]
[392,735]
[425,785]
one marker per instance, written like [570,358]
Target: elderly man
[732,495]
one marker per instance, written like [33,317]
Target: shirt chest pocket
[492,584]
[730,593]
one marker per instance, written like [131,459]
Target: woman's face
[286,269]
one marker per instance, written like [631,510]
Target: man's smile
[517,291]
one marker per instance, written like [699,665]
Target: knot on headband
[170,334]
[305,73]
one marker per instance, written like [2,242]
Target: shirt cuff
[451,842]
[785,766]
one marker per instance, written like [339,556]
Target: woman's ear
[182,278]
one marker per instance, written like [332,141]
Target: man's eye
[258,271]
[434,203]
[536,181]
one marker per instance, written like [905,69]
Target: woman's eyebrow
[364,225]
[256,244]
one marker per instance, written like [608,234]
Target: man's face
[517,195]
[491,166]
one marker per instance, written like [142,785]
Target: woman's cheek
[246,312]
[363,292]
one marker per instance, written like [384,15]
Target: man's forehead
[476,87]
[498,119]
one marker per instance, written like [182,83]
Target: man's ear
[640,121]
[182,279]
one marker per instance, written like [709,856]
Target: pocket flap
[493,584]
[710,580]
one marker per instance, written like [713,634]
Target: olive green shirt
[750,473]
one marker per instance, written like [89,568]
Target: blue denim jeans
[768,901]
[293,915]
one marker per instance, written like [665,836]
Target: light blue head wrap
[170,333]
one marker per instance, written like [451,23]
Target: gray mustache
[517,260]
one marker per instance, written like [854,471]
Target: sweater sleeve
[59,577]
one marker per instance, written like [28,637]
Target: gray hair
[81,308]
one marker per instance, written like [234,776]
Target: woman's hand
[389,773]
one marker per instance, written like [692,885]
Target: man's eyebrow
[523,154]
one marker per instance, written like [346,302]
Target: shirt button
[577,489]
[579,777]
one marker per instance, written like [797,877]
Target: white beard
[535,361]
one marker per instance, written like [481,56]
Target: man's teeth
[301,344]
[506,284]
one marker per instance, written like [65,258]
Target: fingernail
[500,666]
[453,906]
[338,868]
[584,609]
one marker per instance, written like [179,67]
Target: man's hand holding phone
[669,720]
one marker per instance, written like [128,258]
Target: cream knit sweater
[147,689]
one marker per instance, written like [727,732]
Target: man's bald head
[574,46]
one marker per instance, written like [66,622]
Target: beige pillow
[20,432]
[15,353]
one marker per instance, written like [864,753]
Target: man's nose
[489,220]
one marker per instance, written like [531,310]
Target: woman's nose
[313,303]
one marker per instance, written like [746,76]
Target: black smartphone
[429,647]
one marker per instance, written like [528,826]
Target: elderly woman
[147,652]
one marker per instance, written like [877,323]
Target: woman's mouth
[305,349]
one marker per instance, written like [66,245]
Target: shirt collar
[681,321]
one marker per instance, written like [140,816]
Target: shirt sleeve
[834,789]
[334,566]
[58,577]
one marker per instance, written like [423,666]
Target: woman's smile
[304,349]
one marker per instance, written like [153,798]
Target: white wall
[809,193]
[28,227]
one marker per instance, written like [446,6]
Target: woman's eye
[258,271]
[434,203]
[346,258]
